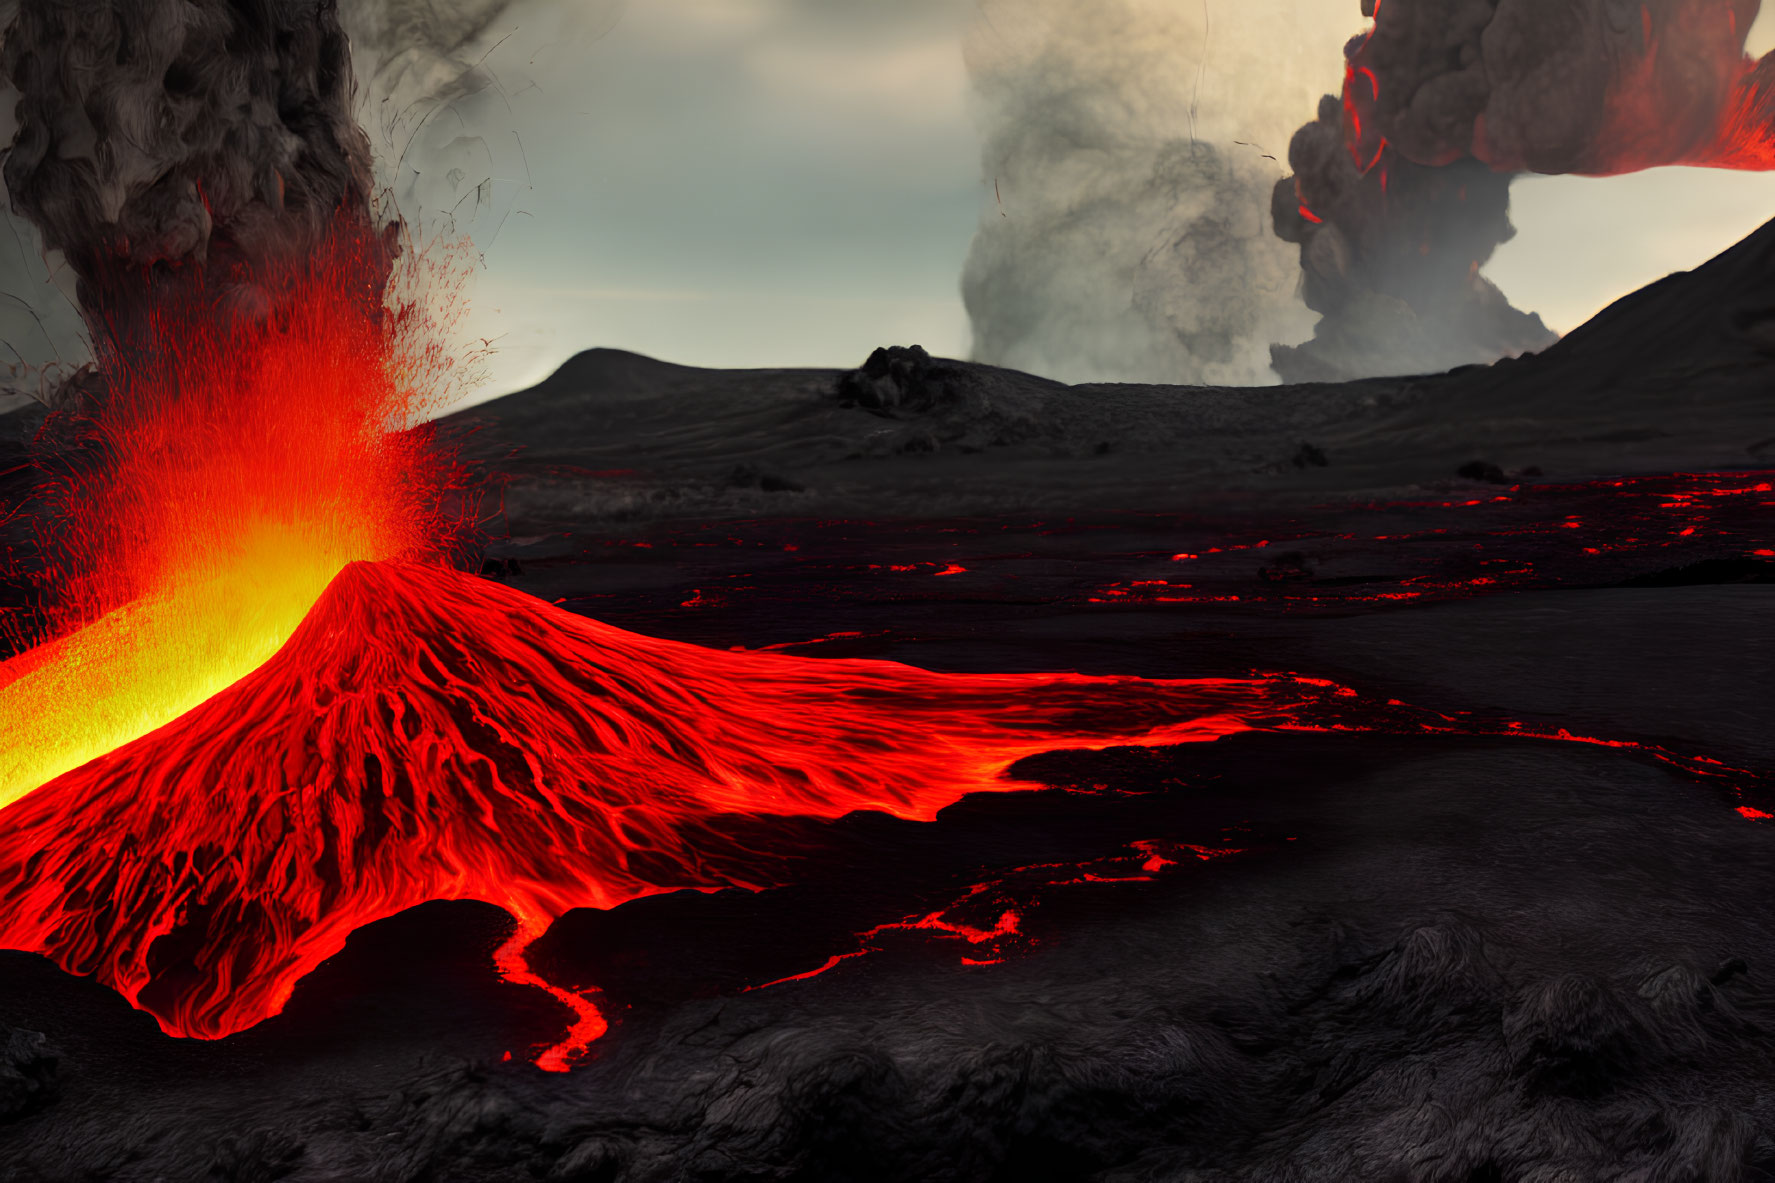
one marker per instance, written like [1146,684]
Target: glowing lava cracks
[428,735]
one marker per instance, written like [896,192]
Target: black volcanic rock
[1291,567]
[27,1072]
[1308,456]
[1708,572]
[1481,470]
[954,404]
[903,381]
[748,476]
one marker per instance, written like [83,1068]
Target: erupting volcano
[263,712]
[429,735]
[226,480]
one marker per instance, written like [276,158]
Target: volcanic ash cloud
[1401,185]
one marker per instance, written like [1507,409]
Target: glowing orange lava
[430,735]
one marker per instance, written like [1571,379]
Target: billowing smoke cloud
[1129,151]
[165,146]
[1390,254]
[1555,86]
[448,155]
[165,140]
[1401,187]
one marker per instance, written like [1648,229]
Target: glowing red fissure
[1362,92]
[429,735]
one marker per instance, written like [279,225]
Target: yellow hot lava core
[143,665]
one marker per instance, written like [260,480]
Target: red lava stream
[428,735]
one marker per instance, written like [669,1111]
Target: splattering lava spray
[197,168]
[1400,191]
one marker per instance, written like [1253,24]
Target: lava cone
[427,735]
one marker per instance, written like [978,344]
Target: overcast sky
[794,182]
[736,183]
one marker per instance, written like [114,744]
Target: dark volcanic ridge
[1674,377]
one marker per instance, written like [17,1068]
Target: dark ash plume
[1401,189]
[1552,86]
[167,148]
[167,145]
[1390,256]
[436,117]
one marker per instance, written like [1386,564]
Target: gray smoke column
[1129,148]
[167,147]
[1400,191]
[447,154]
[1555,86]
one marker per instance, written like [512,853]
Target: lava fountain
[228,478]
[196,164]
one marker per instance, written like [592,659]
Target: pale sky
[737,183]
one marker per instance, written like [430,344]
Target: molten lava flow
[427,735]
[223,484]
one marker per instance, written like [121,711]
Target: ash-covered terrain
[1442,952]
[1673,377]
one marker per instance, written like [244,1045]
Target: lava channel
[428,735]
